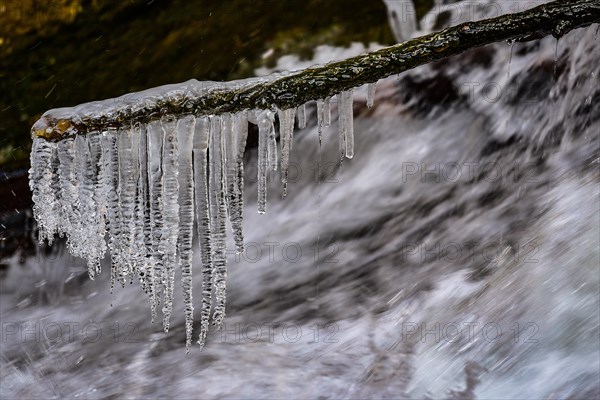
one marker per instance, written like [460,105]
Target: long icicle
[203,220]
[128,180]
[327,111]
[143,231]
[110,167]
[218,216]
[320,119]
[42,178]
[349,122]
[69,194]
[155,192]
[85,178]
[185,139]
[264,120]
[286,131]
[171,213]
[341,100]
[136,252]
[99,200]
[228,132]
[271,145]
[237,200]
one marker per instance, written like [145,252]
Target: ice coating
[185,97]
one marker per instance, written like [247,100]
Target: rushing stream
[455,255]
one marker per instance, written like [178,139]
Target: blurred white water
[457,257]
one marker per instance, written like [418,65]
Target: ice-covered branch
[293,89]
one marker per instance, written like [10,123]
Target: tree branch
[296,88]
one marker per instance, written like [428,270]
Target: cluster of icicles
[137,190]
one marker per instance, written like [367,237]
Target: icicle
[185,138]
[291,114]
[320,119]
[349,122]
[272,145]
[218,215]
[229,137]
[143,230]
[65,173]
[77,245]
[371,87]
[511,43]
[155,195]
[327,111]
[57,216]
[110,172]
[264,122]
[214,168]
[286,132]
[237,198]
[171,213]
[135,252]
[302,116]
[89,240]
[69,187]
[203,220]
[345,125]
[128,179]
[341,127]
[42,176]
[230,132]
[99,201]
[86,174]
